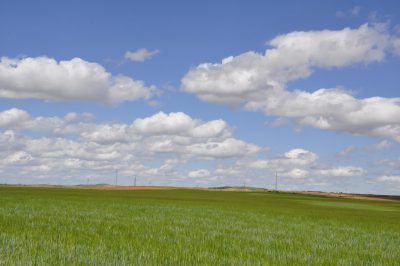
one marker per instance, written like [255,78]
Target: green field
[66,226]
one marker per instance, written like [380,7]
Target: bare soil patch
[352,196]
[109,187]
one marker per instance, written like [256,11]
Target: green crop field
[66,226]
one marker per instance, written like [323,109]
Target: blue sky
[338,139]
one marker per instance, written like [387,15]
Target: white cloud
[163,124]
[199,173]
[211,129]
[72,116]
[180,124]
[141,54]
[394,163]
[229,171]
[107,133]
[18,157]
[153,157]
[258,81]
[300,163]
[382,145]
[13,117]
[226,149]
[293,159]
[98,149]
[389,179]
[341,171]
[72,122]
[297,173]
[244,77]
[69,80]
[301,157]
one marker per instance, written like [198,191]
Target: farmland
[71,226]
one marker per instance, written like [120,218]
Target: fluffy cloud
[259,81]
[12,117]
[226,149]
[179,127]
[297,173]
[292,159]
[162,123]
[18,119]
[389,179]
[199,173]
[341,171]
[69,80]
[19,157]
[106,133]
[301,163]
[394,163]
[163,146]
[140,55]
[293,55]
[180,124]
[337,110]
[74,145]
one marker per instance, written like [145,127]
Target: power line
[276,181]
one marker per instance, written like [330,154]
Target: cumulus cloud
[301,163]
[72,122]
[162,123]
[297,173]
[13,117]
[389,179]
[258,81]
[19,157]
[160,146]
[141,54]
[226,149]
[68,80]
[106,133]
[180,124]
[199,173]
[292,56]
[392,182]
[394,163]
[99,148]
[161,129]
[341,171]
[292,159]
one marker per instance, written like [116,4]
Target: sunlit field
[67,226]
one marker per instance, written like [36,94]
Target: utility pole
[276,181]
[116,177]
[134,183]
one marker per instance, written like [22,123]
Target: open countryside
[170,226]
[190,133]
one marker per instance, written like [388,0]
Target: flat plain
[75,226]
